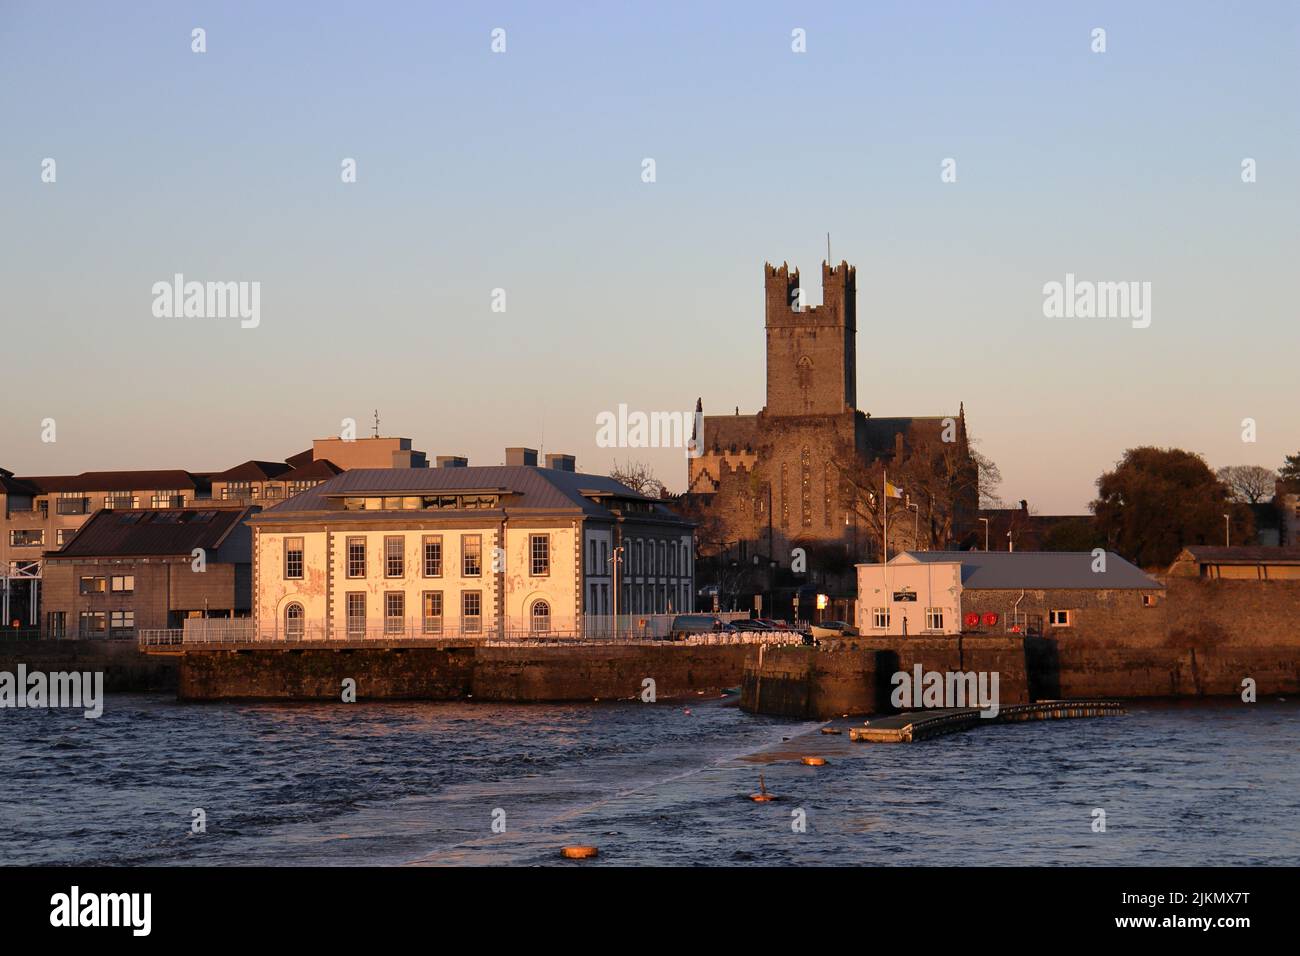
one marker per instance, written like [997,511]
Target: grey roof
[1038,569]
[531,488]
[152,531]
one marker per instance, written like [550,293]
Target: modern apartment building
[41,514]
[459,551]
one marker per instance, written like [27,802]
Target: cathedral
[809,470]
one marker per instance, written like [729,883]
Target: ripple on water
[401,782]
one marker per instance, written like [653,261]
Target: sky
[523,171]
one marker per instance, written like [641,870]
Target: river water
[666,783]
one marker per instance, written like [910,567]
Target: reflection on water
[1181,784]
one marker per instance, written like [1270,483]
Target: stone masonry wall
[124,667]
[484,673]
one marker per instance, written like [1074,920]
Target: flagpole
[884,547]
[884,503]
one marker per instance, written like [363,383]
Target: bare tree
[990,476]
[638,476]
[1249,484]
[943,479]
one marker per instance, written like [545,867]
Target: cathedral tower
[811,357]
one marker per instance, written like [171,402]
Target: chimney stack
[561,462]
[452,461]
[522,456]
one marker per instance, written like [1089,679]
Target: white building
[459,551]
[922,593]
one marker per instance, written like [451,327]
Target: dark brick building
[126,570]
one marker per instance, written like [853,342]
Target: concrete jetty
[917,725]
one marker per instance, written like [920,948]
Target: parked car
[753,624]
[829,629]
[689,625]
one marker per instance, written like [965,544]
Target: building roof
[881,434]
[253,470]
[530,487]
[158,480]
[16,486]
[1246,555]
[1035,570]
[321,468]
[152,531]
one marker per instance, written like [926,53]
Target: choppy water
[649,784]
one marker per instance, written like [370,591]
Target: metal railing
[245,632]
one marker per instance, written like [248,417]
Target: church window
[805,475]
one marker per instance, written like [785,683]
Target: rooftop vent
[560,462]
[452,461]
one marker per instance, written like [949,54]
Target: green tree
[1074,534]
[1159,500]
[1290,471]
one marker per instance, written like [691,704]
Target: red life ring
[972,620]
[991,619]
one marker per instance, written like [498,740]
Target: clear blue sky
[522,171]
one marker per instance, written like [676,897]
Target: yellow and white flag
[893,491]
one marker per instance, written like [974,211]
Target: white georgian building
[464,551]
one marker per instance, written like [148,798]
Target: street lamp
[986,533]
[1227,532]
[916,525]
[615,560]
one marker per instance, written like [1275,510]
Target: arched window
[294,622]
[540,617]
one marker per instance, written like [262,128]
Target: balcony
[167,501]
[73,506]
